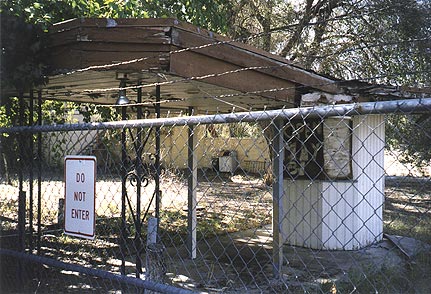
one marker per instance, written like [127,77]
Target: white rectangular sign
[80,198]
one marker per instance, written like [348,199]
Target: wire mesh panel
[307,200]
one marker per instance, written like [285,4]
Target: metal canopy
[194,67]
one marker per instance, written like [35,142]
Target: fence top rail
[381,107]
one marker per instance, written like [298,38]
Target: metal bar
[144,284]
[130,205]
[21,193]
[381,107]
[30,122]
[39,171]
[138,168]
[123,195]
[148,207]
[277,194]
[192,186]
[157,163]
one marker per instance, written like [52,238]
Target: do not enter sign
[80,186]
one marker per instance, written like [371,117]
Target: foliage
[22,68]
[234,130]
[405,131]
[9,115]
[92,112]
[377,41]
[210,14]
[22,54]
[254,21]
[245,130]
[389,39]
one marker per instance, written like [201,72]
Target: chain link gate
[304,200]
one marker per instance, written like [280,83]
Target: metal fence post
[30,122]
[157,161]
[123,237]
[39,171]
[278,191]
[192,186]
[139,174]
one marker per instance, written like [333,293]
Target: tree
[411,135]
[210,14]
[377,41]
[348,39]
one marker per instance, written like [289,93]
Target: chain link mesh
[352,212]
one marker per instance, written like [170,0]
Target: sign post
[80,198]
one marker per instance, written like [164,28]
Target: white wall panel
[368,143]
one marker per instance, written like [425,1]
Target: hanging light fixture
[122,98]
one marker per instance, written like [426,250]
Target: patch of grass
[408,210]
[371,280]
[9,213]
[212,222]
[408,226]
[411,277]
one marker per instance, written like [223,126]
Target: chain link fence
[331,199]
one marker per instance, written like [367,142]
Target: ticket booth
[333,182]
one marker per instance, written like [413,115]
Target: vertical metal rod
[30,122]
[21,192]
[21,195]
[277,194]
[138,224]
[39,171]
[158,169]
[192,186]
[123,194]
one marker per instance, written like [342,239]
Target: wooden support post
[192,186]
[277,195]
